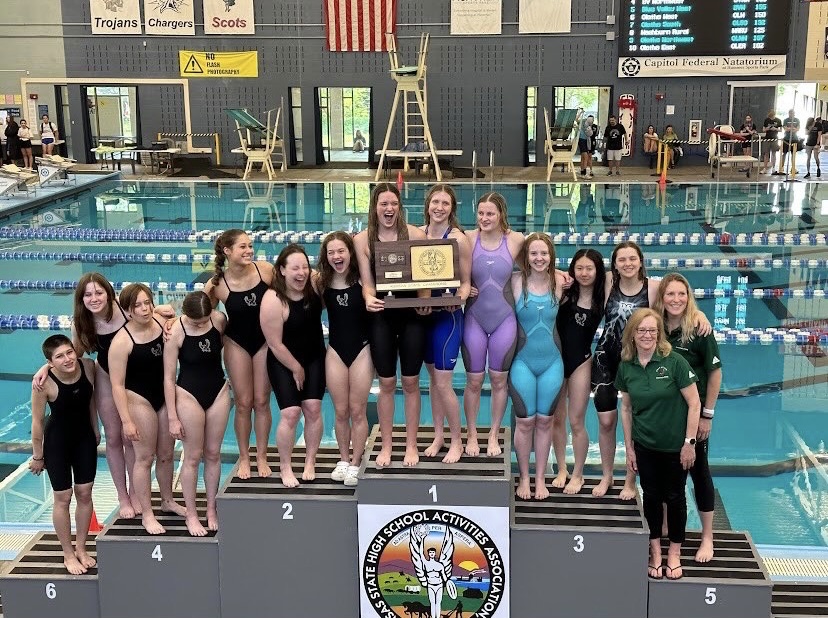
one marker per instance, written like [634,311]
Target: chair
[261,202]
[721,148]
[249,128]
[561,145]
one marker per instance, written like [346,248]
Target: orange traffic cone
[400,181]
[94,524]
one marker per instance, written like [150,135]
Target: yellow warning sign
[218,64]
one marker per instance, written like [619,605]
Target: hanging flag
[544,16]
[358,25]
[115,16]
[229,17]
[169,17]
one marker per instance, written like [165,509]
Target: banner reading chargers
[701,66]
[115,16]
[433,562]
[228,17]
[169,17]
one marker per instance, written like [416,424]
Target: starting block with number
[36,584]
[303,540]
[575,541]
[734,584]
[173,574]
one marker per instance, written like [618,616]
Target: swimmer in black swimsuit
[578,319]
[348,366]
[292,323]
[67,445]
[137,369]
[393,332]
[241,286]
[198,405]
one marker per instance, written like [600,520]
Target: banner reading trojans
[228,17]
[115,16]
[476,16]
[169,17]
[544,16]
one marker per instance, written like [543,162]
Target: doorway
[345,124]
[113,115]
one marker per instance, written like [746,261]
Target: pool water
[754,252]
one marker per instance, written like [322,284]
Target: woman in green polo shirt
[660,414]
[675,303]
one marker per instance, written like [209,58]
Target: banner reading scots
[115,16]
[169,17]
[544,16]
[476,16]
[229,17]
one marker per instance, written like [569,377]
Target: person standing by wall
[586,145]
[771,126]
[615,138]
[24,134]
[812,145]
[12,152]
[48,135]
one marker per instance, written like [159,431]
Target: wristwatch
[690,441]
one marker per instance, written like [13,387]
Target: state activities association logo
[631,67]
[432,563]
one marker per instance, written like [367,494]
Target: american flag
[358,25]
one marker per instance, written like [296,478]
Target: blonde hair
[687,327]
[628,349]
[500,203]
[523,262]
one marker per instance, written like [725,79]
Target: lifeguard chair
[561,140]
[721,149]
[259,142]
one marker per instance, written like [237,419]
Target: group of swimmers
[532,327]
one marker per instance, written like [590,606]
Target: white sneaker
[351,476]
[340,471]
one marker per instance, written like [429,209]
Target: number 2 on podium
[433,492]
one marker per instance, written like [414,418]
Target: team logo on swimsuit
[432,262]
[157,350]
[204,346]
[342,299]
[432,563]
[250,299]
[580,319]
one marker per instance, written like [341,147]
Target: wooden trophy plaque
[415,265]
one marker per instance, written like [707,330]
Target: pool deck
[39,195]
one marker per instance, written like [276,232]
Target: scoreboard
[704,37]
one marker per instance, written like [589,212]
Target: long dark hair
[574,291]
[225,241]
[373,217]
[83,319]
[627,244]
[279,284]
[326,271]
[197,305]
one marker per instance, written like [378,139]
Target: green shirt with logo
[659,411]
[702,353]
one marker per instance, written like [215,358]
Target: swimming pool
[754,252]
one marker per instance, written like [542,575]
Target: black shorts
[584,146]
[69,454]
[284,387]
[395,332]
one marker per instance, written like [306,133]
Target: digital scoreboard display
[704,27]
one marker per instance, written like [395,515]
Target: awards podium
[407,541]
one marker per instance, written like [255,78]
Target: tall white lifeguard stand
[411,85]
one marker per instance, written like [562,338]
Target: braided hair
[225,241]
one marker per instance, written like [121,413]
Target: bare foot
[412,457]
[384,458]
[125,510]
[628,493]
[262,467]
[493,448]
[288,478]
[85,559]
[194,527]
[674,570]
[171,506]
[472,447]
[524,491]
[309,473]
[454,453]
[151,524]
[244,469]
[705,553]
[560,480]
[136,505]
[541,491]
[73,565]
[574,485]
[435,448]
[601,488]
[212,519]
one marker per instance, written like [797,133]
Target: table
[446,155]
[155,158]
[102,152]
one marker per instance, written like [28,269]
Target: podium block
[37,585]
[144,575]
[289,553]
[434,536]
[799,599]
[734,584]
[576,541]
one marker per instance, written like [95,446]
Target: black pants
[702,479]
[663,480]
